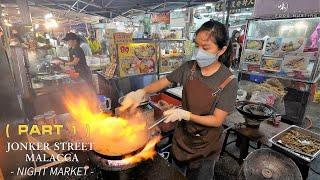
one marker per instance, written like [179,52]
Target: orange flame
[147,153]
[112,136]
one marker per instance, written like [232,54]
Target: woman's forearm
[157,86]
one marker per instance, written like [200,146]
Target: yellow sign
[137,58]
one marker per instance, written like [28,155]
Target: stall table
[49,98]
[261,135]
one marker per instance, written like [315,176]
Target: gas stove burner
[112,163]
[254,113]
[268,164]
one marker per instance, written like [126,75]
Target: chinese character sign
[121,37]
[160,17]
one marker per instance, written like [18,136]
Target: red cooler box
[162,102]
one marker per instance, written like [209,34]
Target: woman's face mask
[204,58]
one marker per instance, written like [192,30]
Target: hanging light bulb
[48,16]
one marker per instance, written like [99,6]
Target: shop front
[159,89]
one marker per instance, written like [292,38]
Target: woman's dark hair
[233,37]
[219,35]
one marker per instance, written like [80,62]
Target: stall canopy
[114,8]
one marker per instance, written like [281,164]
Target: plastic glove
[132,100]
[176,115]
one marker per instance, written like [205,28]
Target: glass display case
[171,55]
[282,48]
[285,49]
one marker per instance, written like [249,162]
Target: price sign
[124,49]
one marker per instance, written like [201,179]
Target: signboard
[137,58]
[110,70]
[112,47]
[235,5]
[160,17]
[109,35]
[121,37]
[286,8]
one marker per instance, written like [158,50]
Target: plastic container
[159,109]
[104,103]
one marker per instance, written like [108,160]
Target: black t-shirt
[227,97]
[82,66]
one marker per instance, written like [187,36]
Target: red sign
[160,17]
[120,37]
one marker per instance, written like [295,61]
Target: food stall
[281,48]
[171,56]
[279,67]
[75,132]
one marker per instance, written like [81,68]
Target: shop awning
[114,8]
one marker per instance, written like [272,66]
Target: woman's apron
[192,141]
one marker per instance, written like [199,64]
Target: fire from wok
[111,136]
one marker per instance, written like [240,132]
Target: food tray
[307,157]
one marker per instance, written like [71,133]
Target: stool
[244,136]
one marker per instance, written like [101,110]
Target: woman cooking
[209,94]
[77,58]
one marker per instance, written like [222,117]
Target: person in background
[1,34]
[104,45]
[235,36]
[242,34]
[85,46]
[209,95]
[77,58]
[94,44]
[315,37]
[236,51]
[16,38]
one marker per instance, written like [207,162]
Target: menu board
[110,69]
[137,58]
[271,64]
[273,46]
[251,57]
[112,46]
[278,56]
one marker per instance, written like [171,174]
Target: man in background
[85,46]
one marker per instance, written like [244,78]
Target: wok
[119,144]
[253,110]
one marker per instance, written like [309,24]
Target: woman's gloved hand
[132,100]
[176,115]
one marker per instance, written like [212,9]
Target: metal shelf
[164,73]
[275,76]
[172,40]
[101,73]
